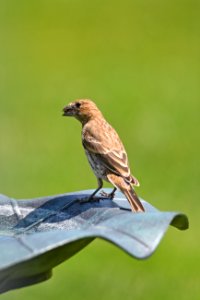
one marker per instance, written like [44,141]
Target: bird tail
[128,191]
[135,203]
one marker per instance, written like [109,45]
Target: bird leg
[109,195]
[91,197]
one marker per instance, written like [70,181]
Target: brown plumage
[105,151]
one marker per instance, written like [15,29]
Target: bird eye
[77,104]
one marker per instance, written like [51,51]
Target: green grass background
[140,62]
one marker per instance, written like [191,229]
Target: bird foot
[107,195]
[89,199]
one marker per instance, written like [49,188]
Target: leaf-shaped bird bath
[36,235]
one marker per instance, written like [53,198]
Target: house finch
[105,151]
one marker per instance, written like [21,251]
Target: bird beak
[68,111]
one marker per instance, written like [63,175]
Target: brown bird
[105,151]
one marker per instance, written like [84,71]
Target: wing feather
[108,148]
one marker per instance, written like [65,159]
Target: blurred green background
[140,62]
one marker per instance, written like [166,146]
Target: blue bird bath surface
[36,235]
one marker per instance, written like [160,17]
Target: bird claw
[107,195]
[89,199]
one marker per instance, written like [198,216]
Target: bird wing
[102,140]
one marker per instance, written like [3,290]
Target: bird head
[82,109]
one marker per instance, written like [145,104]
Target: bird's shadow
[59,209]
